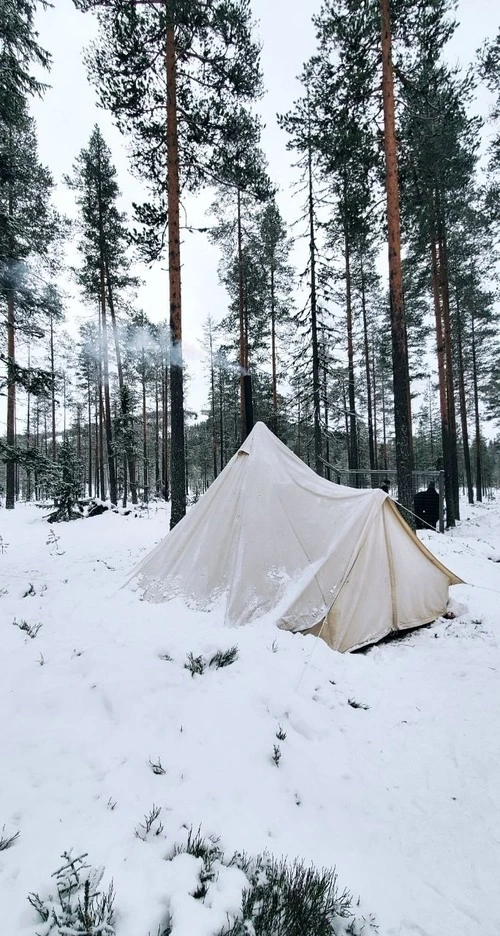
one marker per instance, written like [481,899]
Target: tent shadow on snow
[270,536]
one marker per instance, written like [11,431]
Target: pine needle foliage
[195,665]
[290,899]
[283,898]
[79,906]
[7,841]
[224,658]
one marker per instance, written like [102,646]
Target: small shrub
[79,907]
[7,841]
[280,734]
[195,665]
[52,542]
[276,754]
[151,824]
[208,850]
[291,899]
[282,898]
[354,704]
[30,629]
[156,768]
[224,657]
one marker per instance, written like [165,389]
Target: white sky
[67,113]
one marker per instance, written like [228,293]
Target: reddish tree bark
[401,378]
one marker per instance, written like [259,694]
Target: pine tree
[299,123]
[105,272]
[173,76]
[273,250]
[24,184]
[245,185]
[27,225]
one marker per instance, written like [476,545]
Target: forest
[365,334]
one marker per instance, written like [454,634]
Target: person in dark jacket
[426,506]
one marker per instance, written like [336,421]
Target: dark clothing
[426,506]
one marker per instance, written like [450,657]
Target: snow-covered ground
[402,796]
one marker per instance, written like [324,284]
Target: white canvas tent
[270,535]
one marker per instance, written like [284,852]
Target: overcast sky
[67,113]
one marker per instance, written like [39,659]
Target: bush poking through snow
[276,754]
[294,900]
[156,767]
[355,704]
[6,841]
[208,850]
[52,542]
[30,629]
[79,907]
[224,657]
[195,665]
[281,898]
[151,824]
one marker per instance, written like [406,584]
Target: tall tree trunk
[325,406]
[384,426]
[346,419]
[375,424]
[165,473]
[37,445]
[145,468]
[10,466]
[89,414]
[443,403]
[450,389]
[107,401]
[463,406]
[212,404]
[241,314]
[177,445]
[124,397]
[299,417]
[273,352]
[371,448]
[221,417]
[318,465]
[401,377]
[479,473]
[100,436]
[353,427]
[52,388]
[157,437]
[100,419]
[28,430]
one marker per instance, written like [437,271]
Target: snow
[402,796]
